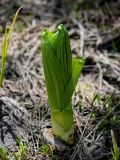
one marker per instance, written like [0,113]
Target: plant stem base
[62,125]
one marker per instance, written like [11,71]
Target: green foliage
[115,152]
[3,154]
[96,97]
[5,47]
[61,75]
[46,150]
[20,154]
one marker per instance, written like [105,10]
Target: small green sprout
[115,152]
[3,154]
[46,150]
[5,46]
[96,97]
[20,154]
[61,75]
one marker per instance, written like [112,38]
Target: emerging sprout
[61,75]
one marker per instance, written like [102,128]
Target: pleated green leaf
[61,75]
[53,73]
[77,66]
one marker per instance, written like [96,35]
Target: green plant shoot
[115,152]
[3,154]
[61,75]
[5,46]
